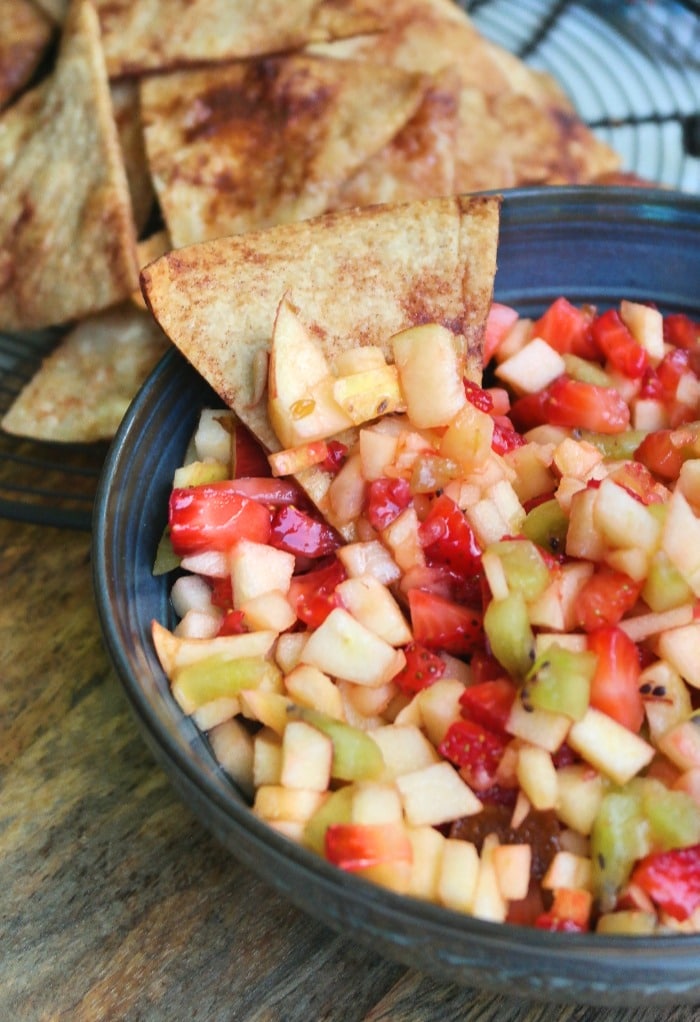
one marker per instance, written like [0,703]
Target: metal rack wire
[639,91]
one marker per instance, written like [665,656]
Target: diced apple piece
[175,653]
[643,626]
[355,756]
[431,374]
[555,608]
[295,415]
[404,748]
[467,439]
[567,870]
[344,648]
[488,523]
[358,359]
[288,650]
[267,757]
[258,568]
[376,802]
[216,712]
[649,414]
[681,539]
[458,876]
[532,368]
[575,642]
[346,494]
[579,795]
[214,433]
[576,458]
[436,794]
[537,776]
[488,902]
[377,451]
[368,700]
[402,538]
[583,538]
[369,558]
[307,755]
[368,394]
[608,746]
[274,802]
[199,624]
[538,727]
[646,325]
[681,648]
[427,844]
[373,605]
[190,592]
[269,611]
[308,686]
[681,744]
[439,707]
[337,808]
[197,473]
[512,866]
[232,744]
[364,846]
[295,459]
[533,475]
[506,500]
[269,708]
[212,563]
[623,520]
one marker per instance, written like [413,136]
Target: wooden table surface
[115,903]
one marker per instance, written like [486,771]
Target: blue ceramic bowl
[591,245]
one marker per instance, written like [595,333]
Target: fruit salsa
[476,680]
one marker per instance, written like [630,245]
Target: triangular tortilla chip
[67,238]
[24,38]
[258,143]
[419,162]
[127,115]
[17,125]
[82,389]
[156,35]
[56,9]
[357,277]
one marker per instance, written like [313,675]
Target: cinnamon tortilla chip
[127,115]
[357,277]
[258,143]
[83,388]
[156,35]
[56,9]
[67,237]
[24,38]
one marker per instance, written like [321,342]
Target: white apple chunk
[217,711]
[427,844]
[300,404]
[680,647]
[568,870]
[199,624]
[537,776]
[532,466]
[583,539]
[646,325]
[346,494]
[358,360]
[232,745]
[308,686]
[295,459]
[458,876]
[439,706]
[532,368]
[213,436]
[666,698]
[431,374]
[257,568]
[212,563]
[376,802]
[609,746]
[270,610]
[640,627]
[370,557]
[403,540]
[681,539]
[175,653]
[377,450]
[307,755]
[344,648]
[372,604]
[538,727]
[288,650]
[436,794]
[467,439]
[488,902]
[274,802]
[681,744]
[622,520]
[579,794]
[512,867]
[190,592]
[269,708]
[267,757]
[404,748]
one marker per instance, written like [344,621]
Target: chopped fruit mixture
[476,678]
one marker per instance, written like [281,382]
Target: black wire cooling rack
[632,70]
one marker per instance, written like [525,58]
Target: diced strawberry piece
[353,846]
[567,329]
[615,684]
[221,592]
[475,750]
[233,623]
[605,598]
[422,668]
[300,533]
[498,322]
[568,402]
[505,436]
[681,331]
[386,499]
[570,911]
[313,594]
[441,624]
[249,457]
[671,879]
[489,703]
[477,396]
[447,537]
[669,371]
[660,454]
[440,579]
[337,453]
[619,347]
[484,667]
[213,517]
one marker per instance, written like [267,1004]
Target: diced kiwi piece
[214,677]
[664,586]
[523,565]
[619,837]
[336,809]
[614,446]
[166,559]
[546,524]
[356,756]
[509,634]
[674,817]
[585,371]
[560,681]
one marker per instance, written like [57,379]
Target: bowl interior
[590,245]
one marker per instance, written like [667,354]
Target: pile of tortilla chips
[129,128]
